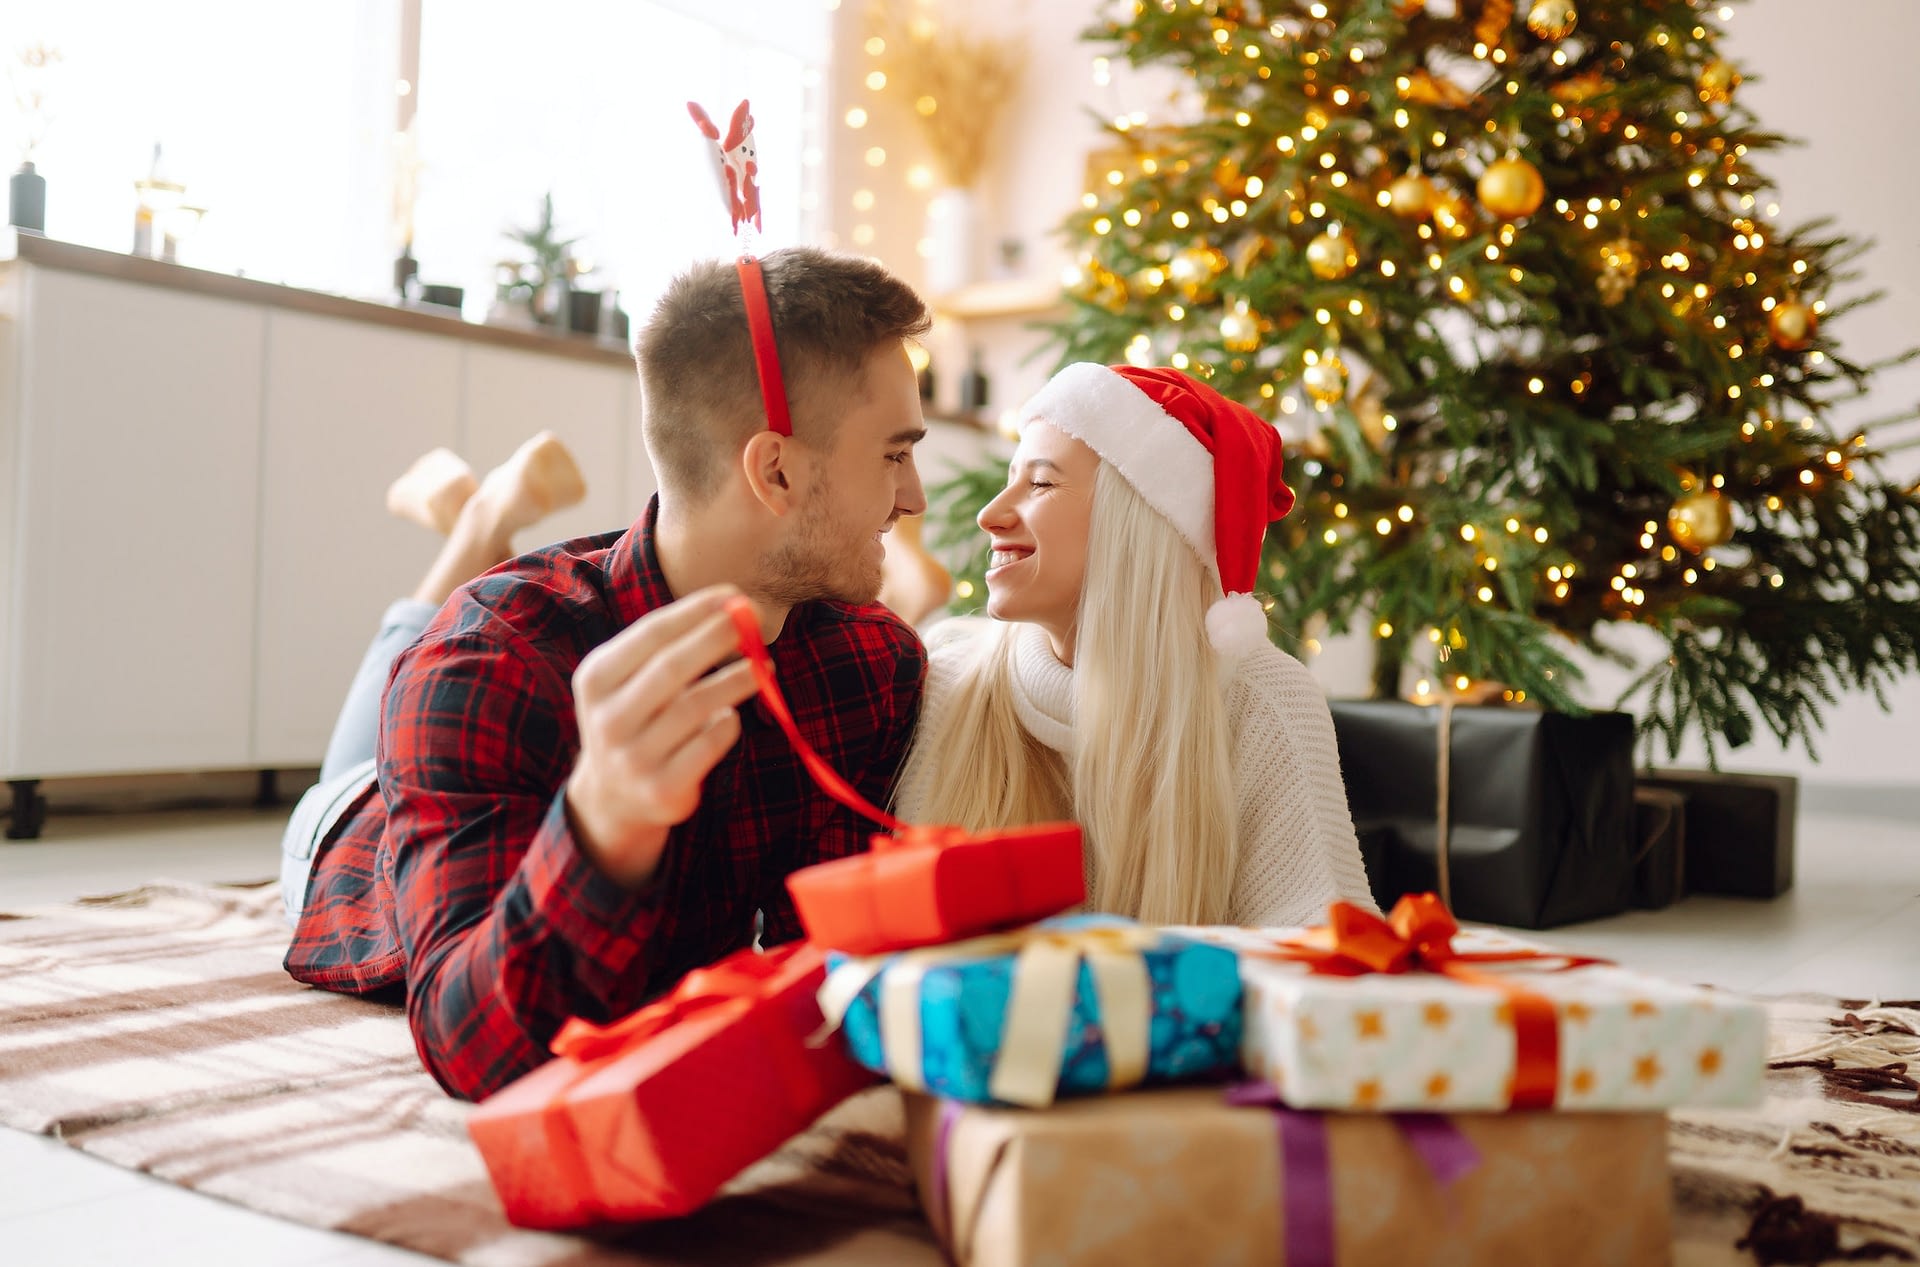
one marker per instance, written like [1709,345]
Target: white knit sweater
[1297,845]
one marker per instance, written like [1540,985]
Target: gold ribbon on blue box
[1074,1005]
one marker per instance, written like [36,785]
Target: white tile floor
[1850,926]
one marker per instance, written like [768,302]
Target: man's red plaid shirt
[459,874]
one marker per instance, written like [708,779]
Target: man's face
[855,490]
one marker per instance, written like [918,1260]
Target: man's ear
[770,462]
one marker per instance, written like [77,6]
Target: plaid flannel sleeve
[508,929]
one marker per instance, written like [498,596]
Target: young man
[576,801]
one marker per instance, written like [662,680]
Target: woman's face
[1038,525]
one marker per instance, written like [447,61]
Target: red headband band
[739,173]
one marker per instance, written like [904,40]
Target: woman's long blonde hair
[1151,779]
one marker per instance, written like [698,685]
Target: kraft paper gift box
[1515,1027]
[650,1116]
[1179,1176]
[1073,1005]
[931,885]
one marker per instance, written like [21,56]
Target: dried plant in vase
[956,81]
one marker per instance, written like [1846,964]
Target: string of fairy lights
[1510,193]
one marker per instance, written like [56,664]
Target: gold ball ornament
[1792,325]
[1552,19]
[1717,82]
[1192,270]
[1332,256]
[1325,381]
[1240,330]
[1699,521]
[1411,197]
[1512,188]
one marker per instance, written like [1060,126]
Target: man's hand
[654,719]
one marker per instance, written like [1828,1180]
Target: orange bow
[731,985]
[1418,936]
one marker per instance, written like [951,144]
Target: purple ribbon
[1306,1170]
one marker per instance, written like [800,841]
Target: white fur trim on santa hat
[1152,450]
[1236,625]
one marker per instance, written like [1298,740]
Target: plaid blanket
[156,1030]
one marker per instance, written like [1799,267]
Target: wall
[1845,93]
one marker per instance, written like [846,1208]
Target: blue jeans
[347,769]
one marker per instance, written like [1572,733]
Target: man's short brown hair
[700,389]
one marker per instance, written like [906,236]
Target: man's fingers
[677,724]
[663,681]
[609,665]
[697,757]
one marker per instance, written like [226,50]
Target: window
[588,100]
[279,120]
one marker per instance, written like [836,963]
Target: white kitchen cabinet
[129,618]
[348,406]
[194,546]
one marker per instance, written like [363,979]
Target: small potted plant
[541,281]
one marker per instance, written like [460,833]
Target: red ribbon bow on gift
[731,984]
[1417,936]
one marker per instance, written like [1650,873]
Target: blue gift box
[1126,1004]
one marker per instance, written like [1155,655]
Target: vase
[27,200]
[951,218]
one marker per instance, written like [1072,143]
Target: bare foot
[540,478]
[433,490]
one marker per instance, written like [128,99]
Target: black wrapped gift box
[1660,863]
[1739,829]
[1541,814]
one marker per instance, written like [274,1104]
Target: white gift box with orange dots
[1422,1042]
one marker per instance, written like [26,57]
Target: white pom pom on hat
[1210,465]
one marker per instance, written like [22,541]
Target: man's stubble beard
[813,564]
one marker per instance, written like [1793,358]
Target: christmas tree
[1509,282]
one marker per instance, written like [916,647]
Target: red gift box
[932,885]
[649,1117]
[926,885]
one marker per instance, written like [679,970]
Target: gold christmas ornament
[1552,19]
[1240,329]
[1408,8]
[1194,269]
[1699,521]
[1369,407]
[1325,380]
[1717,82]
[1792,325]
[1512,188]
[1411,197]
[1620,263]
[1332,256]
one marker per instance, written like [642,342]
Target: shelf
[1007,297]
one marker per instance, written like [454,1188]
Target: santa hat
[1210,466]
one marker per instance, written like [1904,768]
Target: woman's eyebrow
[1031,463]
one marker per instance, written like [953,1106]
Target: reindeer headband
[739,171]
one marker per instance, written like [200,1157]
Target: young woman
[1126,680]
